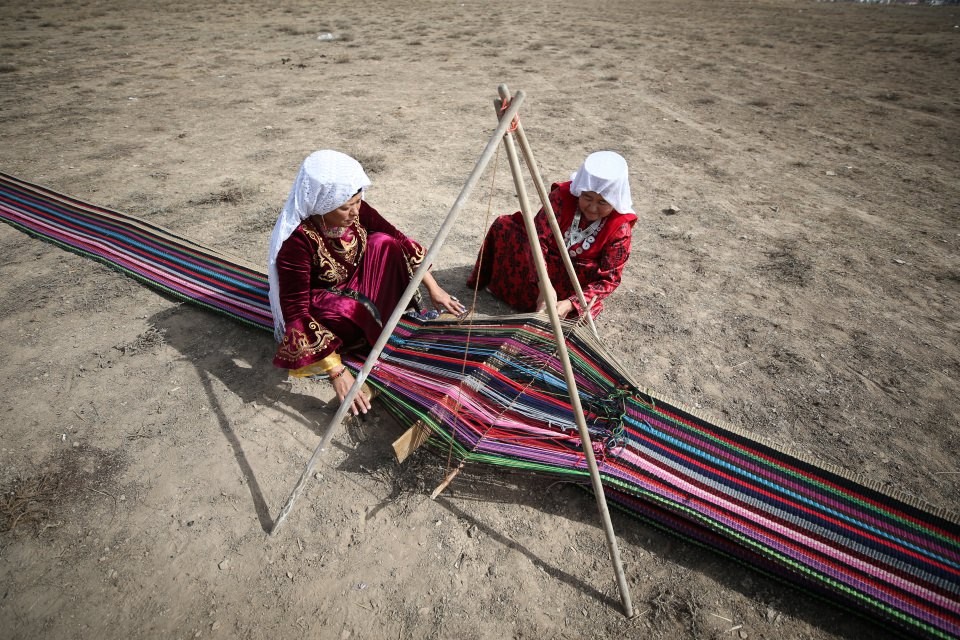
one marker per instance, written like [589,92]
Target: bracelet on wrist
[334,376]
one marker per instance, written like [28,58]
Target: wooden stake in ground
[408,294]
[551,297]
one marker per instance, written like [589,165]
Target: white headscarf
[604,172]
[326,180]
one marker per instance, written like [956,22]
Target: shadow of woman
[238,357]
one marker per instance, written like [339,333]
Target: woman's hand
[564,307]
[342,382]
[442,301]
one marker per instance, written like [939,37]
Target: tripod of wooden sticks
[508,127]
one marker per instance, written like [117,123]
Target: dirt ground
[795,272]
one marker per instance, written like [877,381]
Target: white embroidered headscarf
[326,180]
[604,172]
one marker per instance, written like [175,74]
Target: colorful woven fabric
[492,392]
[152,255]
[816,527]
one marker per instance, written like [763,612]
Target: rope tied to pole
[515,123]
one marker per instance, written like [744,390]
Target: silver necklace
[584,237]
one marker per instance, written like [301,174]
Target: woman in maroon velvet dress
[595,213]
[337,269]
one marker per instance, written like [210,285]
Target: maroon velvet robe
[334,292]
[505,263]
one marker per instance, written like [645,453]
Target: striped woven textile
[491,391]
[816,527]
[152,255]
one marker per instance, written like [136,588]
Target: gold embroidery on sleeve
[417,257]
[297,344]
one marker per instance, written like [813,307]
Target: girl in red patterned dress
[595,213]
[337,268]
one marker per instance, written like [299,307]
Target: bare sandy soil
[805,288]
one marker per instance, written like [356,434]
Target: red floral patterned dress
[505,263]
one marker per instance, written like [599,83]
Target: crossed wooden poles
[507,109]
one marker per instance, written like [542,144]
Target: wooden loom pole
[551,215]
[408,294]
[564,356]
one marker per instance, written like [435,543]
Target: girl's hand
[342,383]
